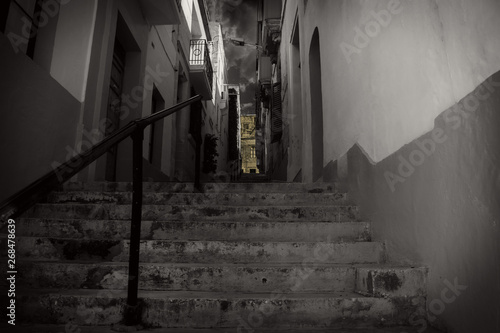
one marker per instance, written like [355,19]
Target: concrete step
[263,277]
[196,230]
[235,199]
[391,281]
[206,187]
[151,251]
[219,310]
[188,212]
[254,178]
[422,328]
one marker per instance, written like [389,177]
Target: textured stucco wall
[33,108]
[392,96]
[435,202]
[161,58]
[72,45]
[389,67]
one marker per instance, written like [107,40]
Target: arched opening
[316,107]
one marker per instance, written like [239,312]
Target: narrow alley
[250,166]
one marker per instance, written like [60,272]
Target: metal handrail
[20,201]
[33,193]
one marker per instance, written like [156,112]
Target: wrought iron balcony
[200,66]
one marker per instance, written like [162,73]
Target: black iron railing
[200,56]
[36,191]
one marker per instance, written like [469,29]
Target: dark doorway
[156,134]
[114,105]
[316,107]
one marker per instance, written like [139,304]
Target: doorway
[114,105]
[124,102]
[156,130]
[316,107]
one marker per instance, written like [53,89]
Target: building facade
[76,71]
[234,131]
[398,102]
[220,95]
[272,152]
[248,152]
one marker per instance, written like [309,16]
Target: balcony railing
[200,57]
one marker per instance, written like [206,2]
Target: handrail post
[197,108]
[133,311]
[197,167]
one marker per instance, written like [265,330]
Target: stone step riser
[105,329]
[189,213]
[200,251]
[242,313]
[206,188]
[382,282]
[197,230]
[236,199]
[233,278]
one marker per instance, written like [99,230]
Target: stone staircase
[245,257]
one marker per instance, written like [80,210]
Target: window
[20,25]
[252,152]
[25,21]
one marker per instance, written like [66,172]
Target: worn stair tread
[206,187]
[374,266]
[219,310]
[236,199]
[244,277]
[49,220]
[79,220]
[56,219]
[187,205]
[200,251]
[176,241]
[194,230]
[39,328]
[202,212]
[119,293]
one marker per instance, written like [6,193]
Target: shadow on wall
[435,202]
[39,121]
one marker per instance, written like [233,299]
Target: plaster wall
[39,120]
[424,57]
[162,56]
[72,46]
[192,14]
[292,103]
[408,85]
[443,212]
